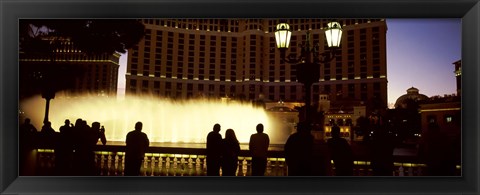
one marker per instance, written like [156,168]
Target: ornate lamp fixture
[309,60]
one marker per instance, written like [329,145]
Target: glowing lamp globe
[282,35]
[333,34]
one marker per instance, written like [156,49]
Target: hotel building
[238,58]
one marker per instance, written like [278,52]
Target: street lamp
[308,63]
[48,94]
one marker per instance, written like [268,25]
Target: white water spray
[164,120]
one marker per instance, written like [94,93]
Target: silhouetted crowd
[74,144]
[306,156]
[223,153]
[74,147]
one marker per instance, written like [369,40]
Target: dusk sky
[420,53]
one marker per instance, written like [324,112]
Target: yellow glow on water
[163,120]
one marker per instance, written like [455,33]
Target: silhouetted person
[66,127]
[77,130]
[214,151]
[340,153]
[87,138]
[231,149]
[298,151]
[258,147]
[27,134]
[99,133]
[103,139]
[321,160]
[27,127]
[47,134]
[382,146]
[64,149]
[438,152]
[47,128]
[136,145]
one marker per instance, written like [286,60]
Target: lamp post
[309,61]
[48,94]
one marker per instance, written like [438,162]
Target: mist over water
[164,120]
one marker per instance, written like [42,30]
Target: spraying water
[164,120]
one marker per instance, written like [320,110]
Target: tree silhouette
[46,37]
[92,36]
[362,126]
[410,118]
[43,38]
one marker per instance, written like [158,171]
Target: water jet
[164,120]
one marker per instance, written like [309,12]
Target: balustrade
[192,162]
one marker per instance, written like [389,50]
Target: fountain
[164,120]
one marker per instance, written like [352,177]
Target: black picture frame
[12,11]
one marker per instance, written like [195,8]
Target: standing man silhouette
[137,143]
[341,153]
[258,147]
[214,151]
[298,151]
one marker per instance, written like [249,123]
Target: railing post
[245,166]
[123,164]
[204,171]
[190,165]
[109,165]
[269,167]
[175,166]
[167,165]
[116,164]
[198,166]
[410,171]
[102,163]
[160,165]
[145,166]
[401,171]
[152,165]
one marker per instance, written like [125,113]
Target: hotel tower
[238,58]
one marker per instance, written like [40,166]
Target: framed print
[192,65]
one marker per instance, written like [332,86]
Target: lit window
[449,119]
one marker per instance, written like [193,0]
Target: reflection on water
[163,120]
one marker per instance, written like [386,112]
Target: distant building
[405,120]
[96,74]
[412,96]
[344,120]
[458,76]
[188,58]
[414,111]
[323,103]
[345,116]
[444,111]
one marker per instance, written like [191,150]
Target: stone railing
[162,161]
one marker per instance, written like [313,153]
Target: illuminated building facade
[94,74]
[188,58]
[342,120]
